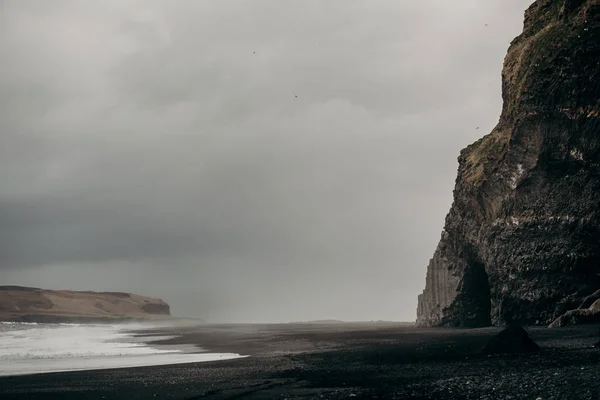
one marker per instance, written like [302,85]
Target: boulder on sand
[580,316]
[590,300]
[513,339]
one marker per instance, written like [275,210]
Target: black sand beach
[339,361]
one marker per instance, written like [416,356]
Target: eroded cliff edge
[521,242]
[38,305]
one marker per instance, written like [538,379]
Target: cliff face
[521,242]
[32,304]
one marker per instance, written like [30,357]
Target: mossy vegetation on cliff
[479,159]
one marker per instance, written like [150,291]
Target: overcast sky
[244,160]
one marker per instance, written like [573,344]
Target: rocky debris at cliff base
[513,339]
[590,300]
[579,316]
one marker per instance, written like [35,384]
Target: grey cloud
[160,147]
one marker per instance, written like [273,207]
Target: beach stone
[513,339]
[579,316]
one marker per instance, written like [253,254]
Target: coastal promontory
[26,304]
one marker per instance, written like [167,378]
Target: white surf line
[43,366]
[26,350]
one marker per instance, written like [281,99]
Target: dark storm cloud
[244,160]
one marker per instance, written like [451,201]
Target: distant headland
[27,304]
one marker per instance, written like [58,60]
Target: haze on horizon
[243,160]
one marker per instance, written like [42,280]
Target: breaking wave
[28,348]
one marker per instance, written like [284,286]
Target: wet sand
[340,361]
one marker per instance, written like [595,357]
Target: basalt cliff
[25,304]
[521,243]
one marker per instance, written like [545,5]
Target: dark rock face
[579,316]
[521,243]
[590,300]
[513,339]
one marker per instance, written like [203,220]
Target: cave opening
[477,305]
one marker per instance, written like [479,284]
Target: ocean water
[30,348]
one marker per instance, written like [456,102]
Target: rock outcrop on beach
[521,243]
[38,305]
[587,312]
[513,339]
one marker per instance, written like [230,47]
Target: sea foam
[39,348]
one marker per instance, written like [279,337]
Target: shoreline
[358,360]
[42,348]
[49,366]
